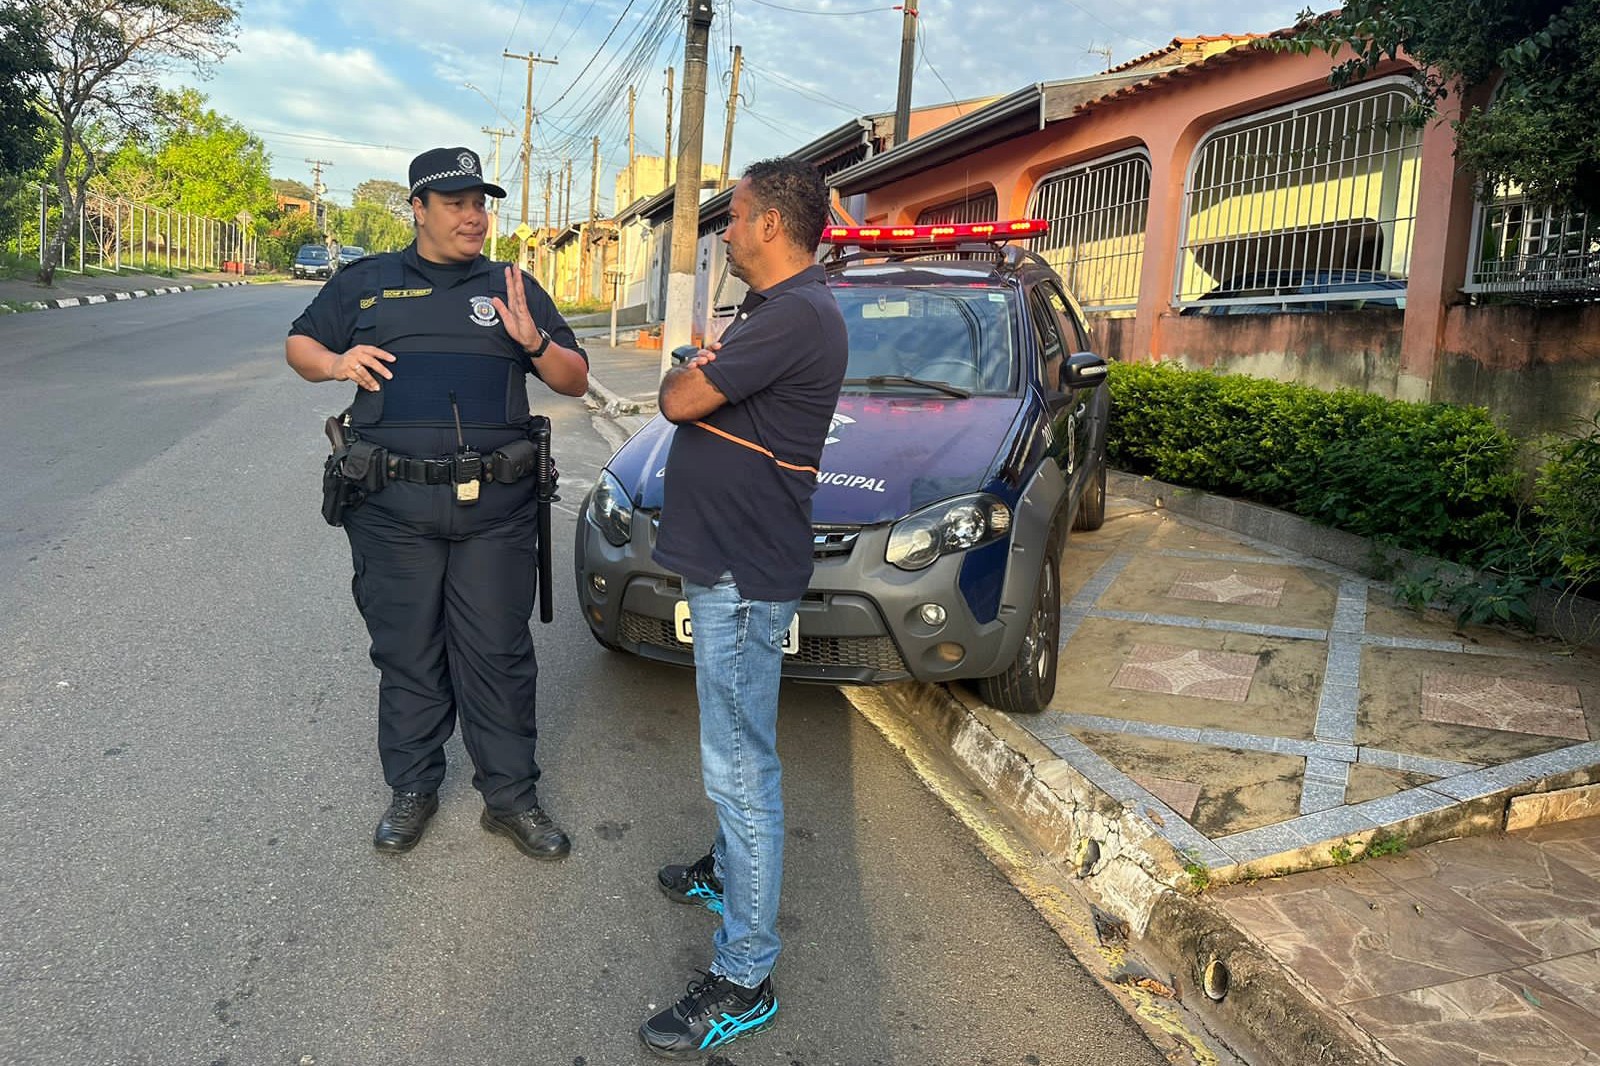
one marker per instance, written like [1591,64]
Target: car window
[964,335]
[1071,328]
[1052,345]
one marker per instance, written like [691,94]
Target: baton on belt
[545,473]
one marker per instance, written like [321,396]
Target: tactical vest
[446,341]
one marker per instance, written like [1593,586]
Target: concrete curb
[1134,873]
[118,295]
[630,414]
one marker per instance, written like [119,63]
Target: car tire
[1092,508]
[1028,683]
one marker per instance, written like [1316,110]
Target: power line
[809,11]
[803,90]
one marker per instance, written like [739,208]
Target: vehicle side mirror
[1082,370]
[683,353]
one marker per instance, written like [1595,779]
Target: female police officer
[439,341]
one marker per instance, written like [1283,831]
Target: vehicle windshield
[352,251]
[960,335]
[313,251]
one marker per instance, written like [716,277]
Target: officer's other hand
[514,311]
[363,365]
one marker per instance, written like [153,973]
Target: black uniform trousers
[447,592]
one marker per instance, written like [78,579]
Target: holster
[353,471]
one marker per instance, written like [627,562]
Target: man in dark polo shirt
[752,414]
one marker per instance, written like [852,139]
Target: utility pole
[547,199]
[908,52]
[666,157]
[733,107]
[589,227]
[494,219]
[594,183]
[566,199]
[317,189]
[678,327]
[527,125]
[619,207]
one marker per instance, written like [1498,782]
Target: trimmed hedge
[1429,477]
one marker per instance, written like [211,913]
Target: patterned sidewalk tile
[1504,703]
[1181,796]
[1208,586]
[1179,671]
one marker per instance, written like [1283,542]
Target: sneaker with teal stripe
[696,883]
[712,1014]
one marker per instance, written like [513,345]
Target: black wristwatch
[544,343]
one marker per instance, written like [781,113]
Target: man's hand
[706,355]
[362,364]
[514,312]
[686,393]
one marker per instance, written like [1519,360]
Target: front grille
[833,542]
[874,653]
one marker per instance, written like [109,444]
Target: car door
[1087,405]
[1052,352]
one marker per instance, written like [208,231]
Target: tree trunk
[72,201]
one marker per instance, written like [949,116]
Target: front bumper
[860,620]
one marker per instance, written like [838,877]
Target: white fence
[1098,213]
[115,234]
[1296,199]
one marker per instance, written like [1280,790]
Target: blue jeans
[738,654]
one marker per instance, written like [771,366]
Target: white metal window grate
[1531,251]
[1097,214]
[983,208]
[1296,204]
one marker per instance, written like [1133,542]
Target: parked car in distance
[349,253]
[312,261]
[969,438]
[1263,293]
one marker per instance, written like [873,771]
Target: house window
[982,208]
[1097,214]
[1308,206]
[1542,252]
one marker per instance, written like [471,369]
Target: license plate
[685,632]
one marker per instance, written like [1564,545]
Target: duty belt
[445,471]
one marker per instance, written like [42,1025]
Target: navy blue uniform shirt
[739,482]
[404,304]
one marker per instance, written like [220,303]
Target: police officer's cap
[450,170]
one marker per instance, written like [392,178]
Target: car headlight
[951,526]
[611,510]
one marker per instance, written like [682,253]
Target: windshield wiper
[900,379]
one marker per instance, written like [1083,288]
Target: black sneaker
[713,1013]
[696,883]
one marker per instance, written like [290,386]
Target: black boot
[534,833]
[402,824]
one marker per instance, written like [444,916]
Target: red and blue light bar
[935,236]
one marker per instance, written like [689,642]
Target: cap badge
[467,163]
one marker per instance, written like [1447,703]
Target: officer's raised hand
[362,364]
[565,371]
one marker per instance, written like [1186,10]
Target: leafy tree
[24,128]
[369,225]
[1542,133]
[192,159]
[107,54]
[389,194]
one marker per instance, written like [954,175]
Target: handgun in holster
[354,470]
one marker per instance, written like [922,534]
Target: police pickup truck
[969,439]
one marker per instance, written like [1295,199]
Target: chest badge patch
[483,312]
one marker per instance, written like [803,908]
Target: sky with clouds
[367,84]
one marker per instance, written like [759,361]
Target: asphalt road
[190,781]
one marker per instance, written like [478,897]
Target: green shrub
[1567,501]
[1429,477]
